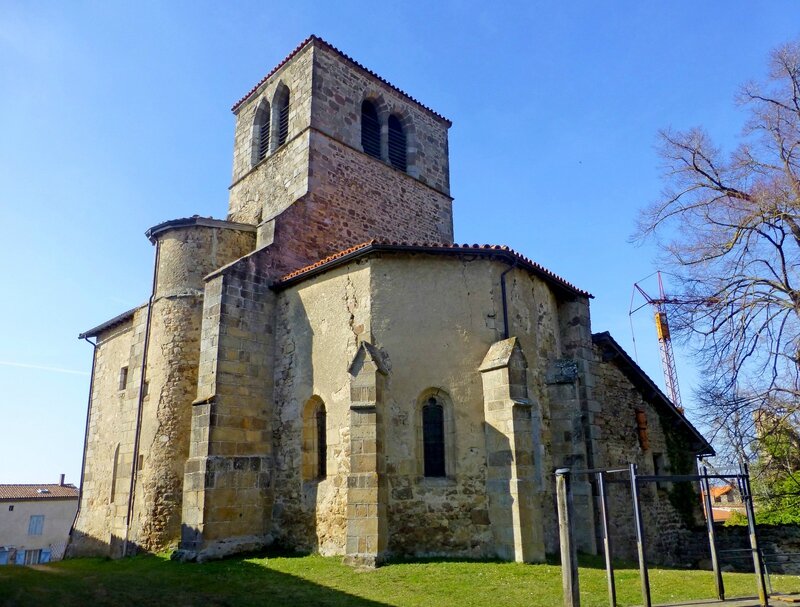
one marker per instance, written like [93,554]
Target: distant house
[35,521]
[725,500]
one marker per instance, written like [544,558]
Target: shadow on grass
[152,580]
[585,561]
[423,560]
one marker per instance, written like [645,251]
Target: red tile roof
[434,248]
[311,39]
[719,491]
[38,492]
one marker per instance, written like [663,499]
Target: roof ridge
[314,38]
[37,485]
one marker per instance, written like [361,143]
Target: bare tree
[729,226]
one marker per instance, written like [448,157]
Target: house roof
[719,491]
[489,251]
[117,320]
[650,391]
[38,492]
[312,39]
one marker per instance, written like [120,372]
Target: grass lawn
[315,580]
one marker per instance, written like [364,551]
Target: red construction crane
[664,339]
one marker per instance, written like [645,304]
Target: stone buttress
[228,475]
[515,505]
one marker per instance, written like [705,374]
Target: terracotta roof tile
[718,491]
[434,248]
[325,260]
[349,59]
[38,492]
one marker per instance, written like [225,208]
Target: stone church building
[327,370]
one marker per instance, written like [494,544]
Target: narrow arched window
[315,440]
[322,444]
[433,438]
[370,129]
[114,466]
[397,144]
[261,132]
[281,121]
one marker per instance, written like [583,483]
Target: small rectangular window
[32,557]
[36,524]
[11,508]
[123,378]
[140,463]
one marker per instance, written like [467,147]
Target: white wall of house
[15,524]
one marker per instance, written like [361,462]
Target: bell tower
[328,154]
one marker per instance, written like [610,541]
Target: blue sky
[115,116]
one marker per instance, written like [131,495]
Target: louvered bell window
[370,130]
[433,438]
[262,133]
[283,120]
[397,144]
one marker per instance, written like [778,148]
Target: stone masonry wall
[435,319]
[228,475]
[363,197]
[296,75]
[319,326]
[665,528]
[186,255]
[573,428]
[105,486]
[321,184]
[356,199]
[779,544]
[273,185]
[338,92]
[534,312]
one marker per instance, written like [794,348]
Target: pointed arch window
[370,129]
[397,144]
[433,438]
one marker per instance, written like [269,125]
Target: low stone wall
[780,545]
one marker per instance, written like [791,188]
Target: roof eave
[504,253]
[95,331]
[313,39]
[196,220]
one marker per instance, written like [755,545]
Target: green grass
[317,581]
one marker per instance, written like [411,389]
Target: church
[325,369]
